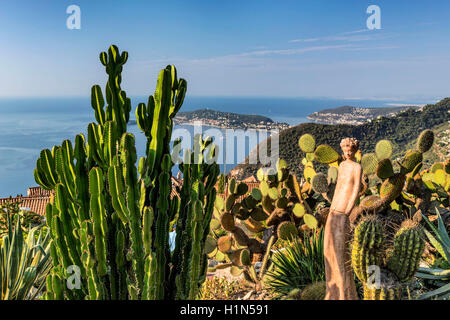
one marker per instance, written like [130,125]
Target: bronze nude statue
[340,284]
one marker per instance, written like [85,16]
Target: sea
[28,125]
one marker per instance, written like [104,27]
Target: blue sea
[28,125]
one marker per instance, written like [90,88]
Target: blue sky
[231,48]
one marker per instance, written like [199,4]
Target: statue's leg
[338,272]
[349,284]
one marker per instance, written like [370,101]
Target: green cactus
[396,264]
[371,203]
[408,248]
[369,163]
[326,154]
[272,205]
[287,230]
[386,291]
[320,183]
[383,149]
[314,291]
[385,169]
[367,246]
[113,224]
[307,143]
[410,161]
[333,174]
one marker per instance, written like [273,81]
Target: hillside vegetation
[401,130]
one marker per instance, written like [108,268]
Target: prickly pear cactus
[276,208]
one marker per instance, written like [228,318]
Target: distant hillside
[401,129]
[353,115]
[228,119]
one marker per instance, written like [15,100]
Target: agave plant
[13,211]
[441,242]
[297,265]
[24,263]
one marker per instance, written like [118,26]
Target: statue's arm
[356,187]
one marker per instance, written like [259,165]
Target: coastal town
[353,115]
[228,120]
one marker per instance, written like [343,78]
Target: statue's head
[349,147]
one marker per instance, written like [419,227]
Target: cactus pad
[410,161]
[258,214]
[369,163]
[225,243]
[425,141]
[286,230]
[371,203]
[210,245]
[383,149]
[310,221]
[299,210]
[227,221]
[326,154]
[385,169]
[392,188]
[320,183]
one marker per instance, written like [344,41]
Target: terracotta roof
[39,192]
[37,198]
[34,204]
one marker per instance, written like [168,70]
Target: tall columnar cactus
[113,224]
[396,264]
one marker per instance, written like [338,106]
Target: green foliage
[12,211]
[297,265]
[440,240]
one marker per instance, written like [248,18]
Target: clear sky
[275,48]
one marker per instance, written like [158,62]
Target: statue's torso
[345,185]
